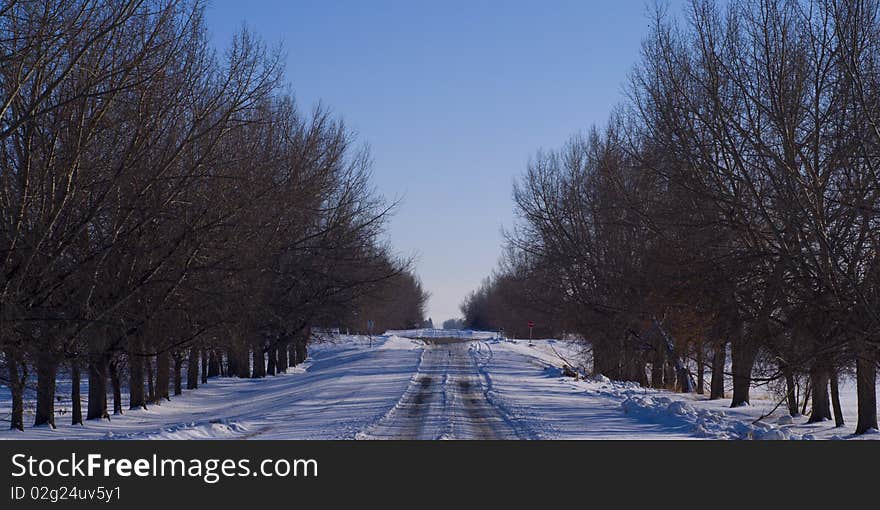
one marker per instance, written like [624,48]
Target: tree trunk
[716,385]
[835,400]
[97,387]
[743,356]
[17,373]
[607,357]
[866,380]
[163,376]
[790,391]
[259,361]
[281,354]
[302,351]
[116,384]
[807,391]
[669,375]
[272,365]
[136,396]
[821,404]
[243,364]
[151,385]
[204,366]
[658,364]
[178,373]
[213,364]
[232,361]
[598,357]
[192,369]
[239,360]
[47,369]
[701,368]
[76,415]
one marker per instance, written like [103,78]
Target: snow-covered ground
[343,387]
[526,380]
[473,385]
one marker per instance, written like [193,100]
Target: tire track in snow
[416,383]
[527,425]
[446,399]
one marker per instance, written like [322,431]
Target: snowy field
[477,386]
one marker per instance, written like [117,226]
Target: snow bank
[221,429]
[704,423]
[398,342]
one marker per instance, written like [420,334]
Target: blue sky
[452,97]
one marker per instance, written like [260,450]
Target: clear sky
[453,97]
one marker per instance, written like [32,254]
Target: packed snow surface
[430,384]
[444,333]
[447,399]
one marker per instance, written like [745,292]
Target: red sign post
[531,325]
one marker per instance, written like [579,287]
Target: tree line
[168,213]
[730,207]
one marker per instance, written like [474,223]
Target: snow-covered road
[445,400]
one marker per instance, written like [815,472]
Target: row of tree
[165,207]
[730,208]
